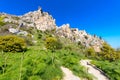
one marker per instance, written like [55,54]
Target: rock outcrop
[43,21]
[80,36]
[68,75]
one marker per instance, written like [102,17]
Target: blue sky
[100,17]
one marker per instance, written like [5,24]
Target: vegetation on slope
[43,58]
[31,65]
[109,62]
[111,69]
[41,61]
[12,43]
[1,21]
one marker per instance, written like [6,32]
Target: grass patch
[71,60]
[29,65]
[112,69]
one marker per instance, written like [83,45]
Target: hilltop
[44,22]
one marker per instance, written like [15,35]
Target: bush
[28,39]
[11,43]
[108,53]
[1,21]
[52,43]
[52,73]
[71,60]
[39,34]
[112,69]
[90,52]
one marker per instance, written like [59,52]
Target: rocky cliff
[43,21]
[80,36]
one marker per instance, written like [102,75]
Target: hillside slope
[44,22]
[45,48]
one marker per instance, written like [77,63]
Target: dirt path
[68,75]
[93,70]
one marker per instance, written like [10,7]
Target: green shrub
[34,78]
[52,43]
[112,69]
[37,66]
[39,34]
[70,60]
[108,53]
[52,73]
[1,21]
[90,52]
[11,43]
[29,40]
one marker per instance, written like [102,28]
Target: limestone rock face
[81,36]
[64,31]
[9,18]
[41,20]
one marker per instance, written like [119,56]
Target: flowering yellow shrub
[11,43]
